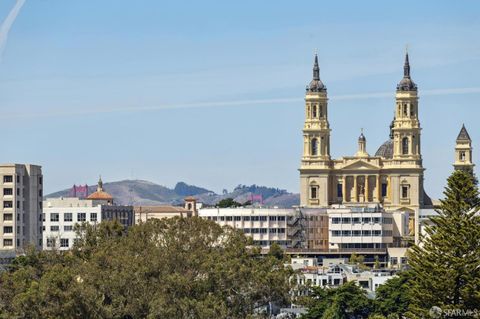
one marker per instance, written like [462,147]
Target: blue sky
[211,93]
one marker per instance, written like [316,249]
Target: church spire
[406,84]
[316,84]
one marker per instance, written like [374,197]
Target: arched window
[314,146]
[405,146]
[405,110]
[462,156]
[314,111]
[320,111]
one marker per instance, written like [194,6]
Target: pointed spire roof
[406,84]
[316,84]
[463,135]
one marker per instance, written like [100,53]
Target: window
[376,220]
[8,179]
[18,178]
[54,228]
[405,110]
[8,242]
[7,217]
[357,233]
[346,220]
[314,146]
[405,146]
[229,218]
[7,229]
[393,260]
[384,189]
[263,218]
[50,242]
[7,191]
[313,192]
[376,232]
[462,158]
[314,111]
[81,217]
[336,220]
[320,110]
[405,191]
[54,217]
[40,180]
[336,233]
[366,233]
[7,204]
[339,190]
[67,217]
[272,218]
[281,218]
[346,233]
[246,218]
[63,242]
[18,204]
[355,220]
[18,191]
[366,220]
[237,218]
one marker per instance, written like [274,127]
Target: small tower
[463,151]
[191,205]
[362,146]
[100,184]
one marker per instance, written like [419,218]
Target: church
[392,177]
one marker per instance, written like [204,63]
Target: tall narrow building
[463,151]
[315,164]
[21,198]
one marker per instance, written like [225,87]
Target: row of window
[68,217]
[57,228]
[9,179]
[64,242]
[269,242]
[358,233]
[246,218]
[364,220]
[264,230]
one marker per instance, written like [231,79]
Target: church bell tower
[406,125]
[316,143]
[463,151]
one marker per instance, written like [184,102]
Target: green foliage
[228,202]
[392,298]
[446,266]
[345,302]
[170,268]
[276,251]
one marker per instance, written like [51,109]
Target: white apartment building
[61,215]
[21,208]
[264,225]
[360,228]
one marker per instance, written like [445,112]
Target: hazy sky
[211,93]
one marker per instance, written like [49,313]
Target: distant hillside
[139,192]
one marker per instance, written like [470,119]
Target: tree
[276,251]
[170,268]
[446,265]
[228,202]
[393,297]
[345,302]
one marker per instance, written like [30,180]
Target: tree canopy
[169,268]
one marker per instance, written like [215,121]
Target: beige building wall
[21,205]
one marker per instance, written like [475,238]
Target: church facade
[392,177]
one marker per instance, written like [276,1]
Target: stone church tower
[463,151]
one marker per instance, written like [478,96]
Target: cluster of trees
[444,270]
[230,202]
[169,268]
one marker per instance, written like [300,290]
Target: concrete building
[393,177]
[62,214]
[264,225]
[21,197]
[360,228]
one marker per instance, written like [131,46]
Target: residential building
[21,198]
